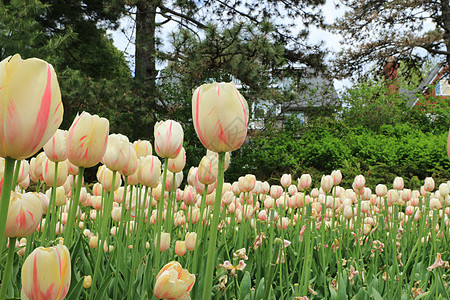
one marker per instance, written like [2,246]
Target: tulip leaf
[260,290]
[75,291]
[101,291]
[245,285]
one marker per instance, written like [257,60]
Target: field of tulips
[142,231]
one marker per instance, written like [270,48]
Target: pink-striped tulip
[36,164]
[117,152]
[88,137]
[337,177]
[190,240]
[31,109]
[24,214]
[132,165]
[24,171]
[304,182]
[207,169]
[177,164]
[220,116]
[143,148]
[168,138]
[173,282]
[54,262]
[48,173]
[165,242]
[149,171]
[56,147]
[286,180]
[180,248]
[398,183]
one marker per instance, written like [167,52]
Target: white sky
[122,36]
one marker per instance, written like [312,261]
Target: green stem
[51,211]
[273,264]
[213,231]
[9,262]
[73,209]
[5,196]
[16,174]
[102,233]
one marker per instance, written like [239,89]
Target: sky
[124,34]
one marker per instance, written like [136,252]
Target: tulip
[149,171]
[398,183]
[359,182]
[381,190]
[24,171]
[88,137]
[180,248]
[173,282]
[337,177]
[207,169]
[326,183]
[220,116]
[304,182]
[54,262]
[132,164]
[60,195]
[286,180]
[247,183]
[177,164]
[36,165]
[48,173]
[87,281]
[276,191]
[24,214]
[56,147]
[168,138]
[32,109]
[428,184]
[143,148]
[117,152]
[106,176]
[165,242]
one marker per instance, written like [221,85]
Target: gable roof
[411,94]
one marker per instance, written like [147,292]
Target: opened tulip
[46,273]
[168,138]
[173,282]
[88,136]
[24,214]
[31,109]
[220,116]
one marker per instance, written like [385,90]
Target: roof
[411,94]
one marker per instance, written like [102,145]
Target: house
[314,91]
[434,87]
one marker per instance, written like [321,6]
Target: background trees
[259,45]
[375,30]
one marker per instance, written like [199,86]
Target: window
[442,87]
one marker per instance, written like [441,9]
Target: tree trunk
[145,62]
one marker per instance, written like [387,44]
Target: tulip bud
[276,191]
[87,281]
[337,177]
[88,137]
[54,262]
[220,116]
[168,138]
[208,169]
[31,110]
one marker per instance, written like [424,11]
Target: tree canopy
[375,30]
